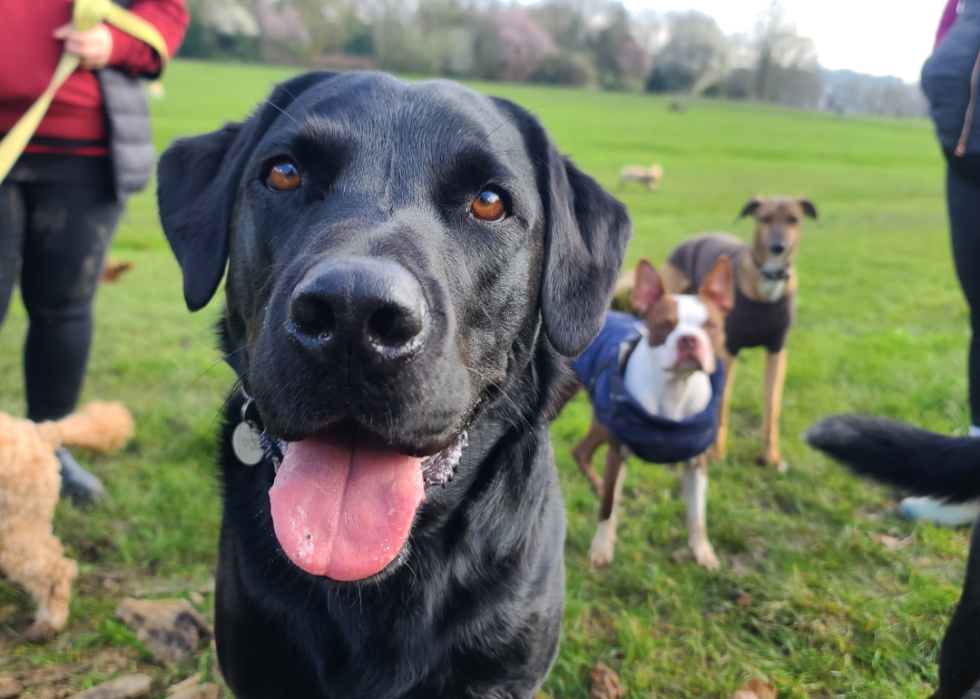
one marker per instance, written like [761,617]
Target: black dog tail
[893,452]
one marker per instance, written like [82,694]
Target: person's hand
[93,47]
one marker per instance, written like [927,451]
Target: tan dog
[667,372]
[30,554]
[650,176]
[765,286]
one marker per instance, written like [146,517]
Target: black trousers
[56,235]
[963,202]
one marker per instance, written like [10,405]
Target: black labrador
[926,464]
[409,268]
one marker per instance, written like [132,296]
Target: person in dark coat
[950,80]
[61,202]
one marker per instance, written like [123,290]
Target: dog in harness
[654,383]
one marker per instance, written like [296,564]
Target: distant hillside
[848,92]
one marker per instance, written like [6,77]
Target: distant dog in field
[765,288]
[932,465]
[114,269]
[654,392]
[650,176]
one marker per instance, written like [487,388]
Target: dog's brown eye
[283,176]
[792,220]
[488,206]
[766,219]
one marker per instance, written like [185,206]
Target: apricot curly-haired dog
[30,554]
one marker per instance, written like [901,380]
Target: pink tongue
[344,507]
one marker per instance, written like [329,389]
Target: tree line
[583,43]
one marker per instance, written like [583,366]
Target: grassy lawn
[835,610]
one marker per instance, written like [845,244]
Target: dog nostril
[777,248]
[392,326]
[313,316]
[370,310]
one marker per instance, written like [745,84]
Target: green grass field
[835,610]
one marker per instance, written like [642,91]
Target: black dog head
[394,252]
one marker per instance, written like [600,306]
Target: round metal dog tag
[247,445]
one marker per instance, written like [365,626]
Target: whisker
[512,120]
[308,594]
[273,104]
[502,394]
[223,359]
[238,385]
[286,90]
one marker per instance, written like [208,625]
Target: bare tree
[609,31]
[324,22]
[633,59]
[281,21]
[229,18]
[564,21]
[647,29]
[522,43]
[696,56]
[779,50]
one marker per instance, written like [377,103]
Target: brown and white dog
[668,373]
[765,286]
[650,176]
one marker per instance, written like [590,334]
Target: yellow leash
[86,15]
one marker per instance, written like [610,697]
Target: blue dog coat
[654,439]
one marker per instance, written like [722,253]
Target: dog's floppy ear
[585,242]
[647,288]
[197,186]
[751,206]
[808,208]
[586,232]
[196,189]
[584,248]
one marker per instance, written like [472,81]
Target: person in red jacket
[61,202]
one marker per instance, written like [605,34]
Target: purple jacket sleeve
[949,16]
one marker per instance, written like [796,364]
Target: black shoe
[81,486]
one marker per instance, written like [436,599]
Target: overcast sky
[881,37]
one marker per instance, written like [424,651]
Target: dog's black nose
[777,247]
[358,305]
